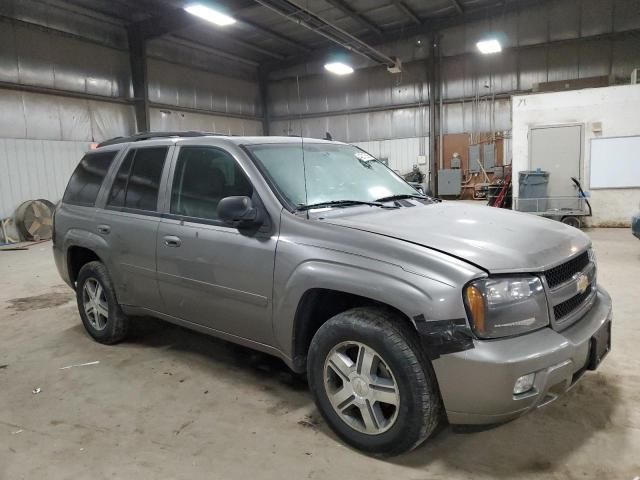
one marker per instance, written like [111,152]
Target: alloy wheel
[95,304]
[361,388]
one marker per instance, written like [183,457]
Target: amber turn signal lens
[475,302]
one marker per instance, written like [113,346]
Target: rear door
[129,224]
[209,273]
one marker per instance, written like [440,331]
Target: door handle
[171,241]
[105,229]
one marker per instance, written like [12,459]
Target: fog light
[524,383]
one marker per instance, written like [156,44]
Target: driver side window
[204,176]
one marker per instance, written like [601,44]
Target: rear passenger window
[138,179]
[87,178]
[203,177]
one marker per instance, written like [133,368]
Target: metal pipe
[384,108]
[241,116]
[433,166]
[63,93]
[440,110]
[360,47]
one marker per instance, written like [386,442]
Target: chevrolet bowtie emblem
[582,282]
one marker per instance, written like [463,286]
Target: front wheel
[371,383]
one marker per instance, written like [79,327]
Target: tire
[112,327]
[400,361]
[572,221]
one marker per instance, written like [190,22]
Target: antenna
[304,166]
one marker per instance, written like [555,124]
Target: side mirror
[237,211]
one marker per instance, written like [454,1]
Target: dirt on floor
[171,403]
[44,300]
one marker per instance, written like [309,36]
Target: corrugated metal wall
[176,120]
[31,169]
[38,57]
[43,135]
[51,117]
[562,40]
[42,138]
[181,86]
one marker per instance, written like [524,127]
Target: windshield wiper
[342,203]
[404,196]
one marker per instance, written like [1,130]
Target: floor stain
[309,421]
[36,302]
[182,427]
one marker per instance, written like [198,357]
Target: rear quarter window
[87,178]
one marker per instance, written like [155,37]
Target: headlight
[504,306]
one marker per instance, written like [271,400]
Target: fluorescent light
[489,46]
[209,14]
[338,68]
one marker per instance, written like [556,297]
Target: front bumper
[635,225]
[477,384]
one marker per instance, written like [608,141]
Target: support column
[263,82]
[139,79]
[433,118]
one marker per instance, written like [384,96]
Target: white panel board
[402,153]
[615,162]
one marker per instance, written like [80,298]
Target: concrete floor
[169,403]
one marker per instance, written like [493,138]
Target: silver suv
[402,310]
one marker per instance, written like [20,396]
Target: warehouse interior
[557,98]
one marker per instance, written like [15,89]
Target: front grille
[562,273]
[565,308]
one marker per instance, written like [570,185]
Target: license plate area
[599,346]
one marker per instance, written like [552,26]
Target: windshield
[333,172]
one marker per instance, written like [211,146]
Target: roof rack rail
[148,135]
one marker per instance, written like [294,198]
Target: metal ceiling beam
[408,12]
[274,35]
[308,19]
[354,15]
[210,50]
[249,46]
[428,26]
[458,6]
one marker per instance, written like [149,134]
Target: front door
[209,273]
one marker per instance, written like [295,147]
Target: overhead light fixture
[489,46]
[338,68]
[209,14]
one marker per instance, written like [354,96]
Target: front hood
[495,239]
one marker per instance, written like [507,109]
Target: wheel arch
[317,290]
[77,257]
[79,247]
[317,306]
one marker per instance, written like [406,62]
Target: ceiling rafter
[350,12]
[407,11]
[275,35]
[458,6]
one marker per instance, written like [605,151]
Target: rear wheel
[101,315]
[371,383]
[572,221]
